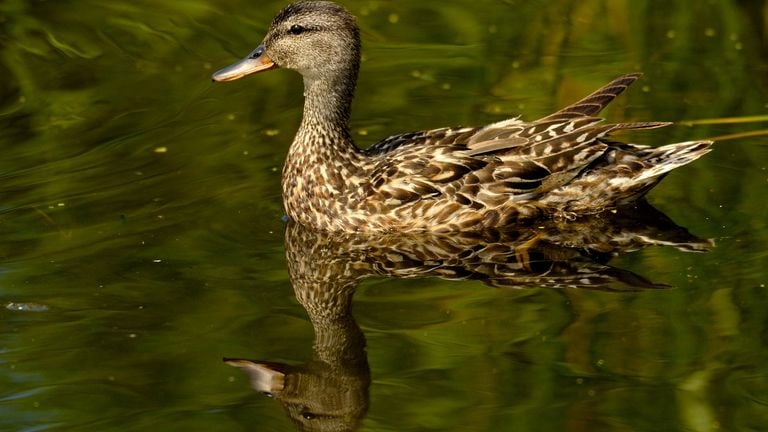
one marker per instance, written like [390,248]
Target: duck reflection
[330,392]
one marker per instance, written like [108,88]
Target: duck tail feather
[666,158]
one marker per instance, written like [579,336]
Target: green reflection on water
[141,205]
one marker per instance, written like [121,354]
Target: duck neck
[327,106]
[323,155]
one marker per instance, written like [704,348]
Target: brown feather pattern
[448,179]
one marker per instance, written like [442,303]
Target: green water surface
[142,240]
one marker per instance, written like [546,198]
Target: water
[143,239]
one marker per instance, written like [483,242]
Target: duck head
[319,39]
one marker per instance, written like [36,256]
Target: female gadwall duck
[442,180]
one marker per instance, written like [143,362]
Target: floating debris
[26,307]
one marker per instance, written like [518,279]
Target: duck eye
[308,415]
[297,29]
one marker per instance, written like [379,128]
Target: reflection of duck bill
[266,377]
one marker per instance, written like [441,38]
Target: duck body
[450,179]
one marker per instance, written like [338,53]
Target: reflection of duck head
[330,392]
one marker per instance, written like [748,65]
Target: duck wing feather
[507,160]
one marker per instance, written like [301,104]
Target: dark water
[142,238]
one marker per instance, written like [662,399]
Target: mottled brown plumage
[450,179]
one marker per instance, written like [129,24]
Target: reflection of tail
[662,160]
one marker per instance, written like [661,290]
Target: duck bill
[249,65]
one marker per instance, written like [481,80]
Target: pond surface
[143,238]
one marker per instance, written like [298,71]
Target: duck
[450,179]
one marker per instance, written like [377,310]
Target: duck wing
[508,160]
[504,134]
[539,157]
[597,101]
[513,133]
[441,136]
